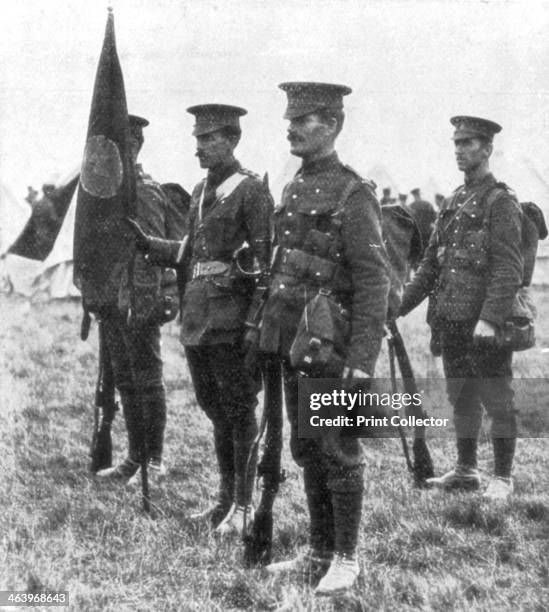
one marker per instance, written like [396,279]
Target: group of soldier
[325,235]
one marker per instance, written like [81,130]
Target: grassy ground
[59,529]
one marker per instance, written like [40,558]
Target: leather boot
[467,453]
[134,425]
[321,517]
[241,514]
[347,514]
[244,464]
[225,460]
[504,453]
[344,568]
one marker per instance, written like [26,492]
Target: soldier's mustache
[295,138]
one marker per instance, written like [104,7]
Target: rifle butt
[101,455]
[423,464]
[259,542]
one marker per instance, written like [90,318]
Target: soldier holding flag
[134,346]
[123,291]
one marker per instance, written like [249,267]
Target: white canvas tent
[382,178]
[13,216]
[17,274]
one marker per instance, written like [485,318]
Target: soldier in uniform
[402,197]
[439,200]
[474,264]
[424,214]
[327,235]
[134,348]
[386,196]
[230,207]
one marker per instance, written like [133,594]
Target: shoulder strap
[349,188]
[223,190]
[229,185]
[493,195]
[457,211]
[249,173]
[367,182]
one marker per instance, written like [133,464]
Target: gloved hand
[484,333]
[142,240]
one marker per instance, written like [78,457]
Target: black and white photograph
[274,283]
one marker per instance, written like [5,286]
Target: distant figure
[32,195]
[424,214]
[386,196]
[439,200]
[402,197]
[48,189]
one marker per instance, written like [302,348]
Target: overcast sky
[412,64]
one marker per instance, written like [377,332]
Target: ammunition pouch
[155,296]
[517,332]
[322,337]
[168,304]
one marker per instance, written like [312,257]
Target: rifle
[258,542]
[422,467]
[101,446]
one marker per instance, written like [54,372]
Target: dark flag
[41,230]
[103,245]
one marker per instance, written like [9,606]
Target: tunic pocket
[467,292]
[473,252]
[220,227]
[226,309]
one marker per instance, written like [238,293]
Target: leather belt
[298,263]
[210,268]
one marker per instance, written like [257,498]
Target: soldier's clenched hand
[354,373]
[142,240]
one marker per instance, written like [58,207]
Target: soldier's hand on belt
[142,240]
[484,332]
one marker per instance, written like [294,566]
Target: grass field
[61,530]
